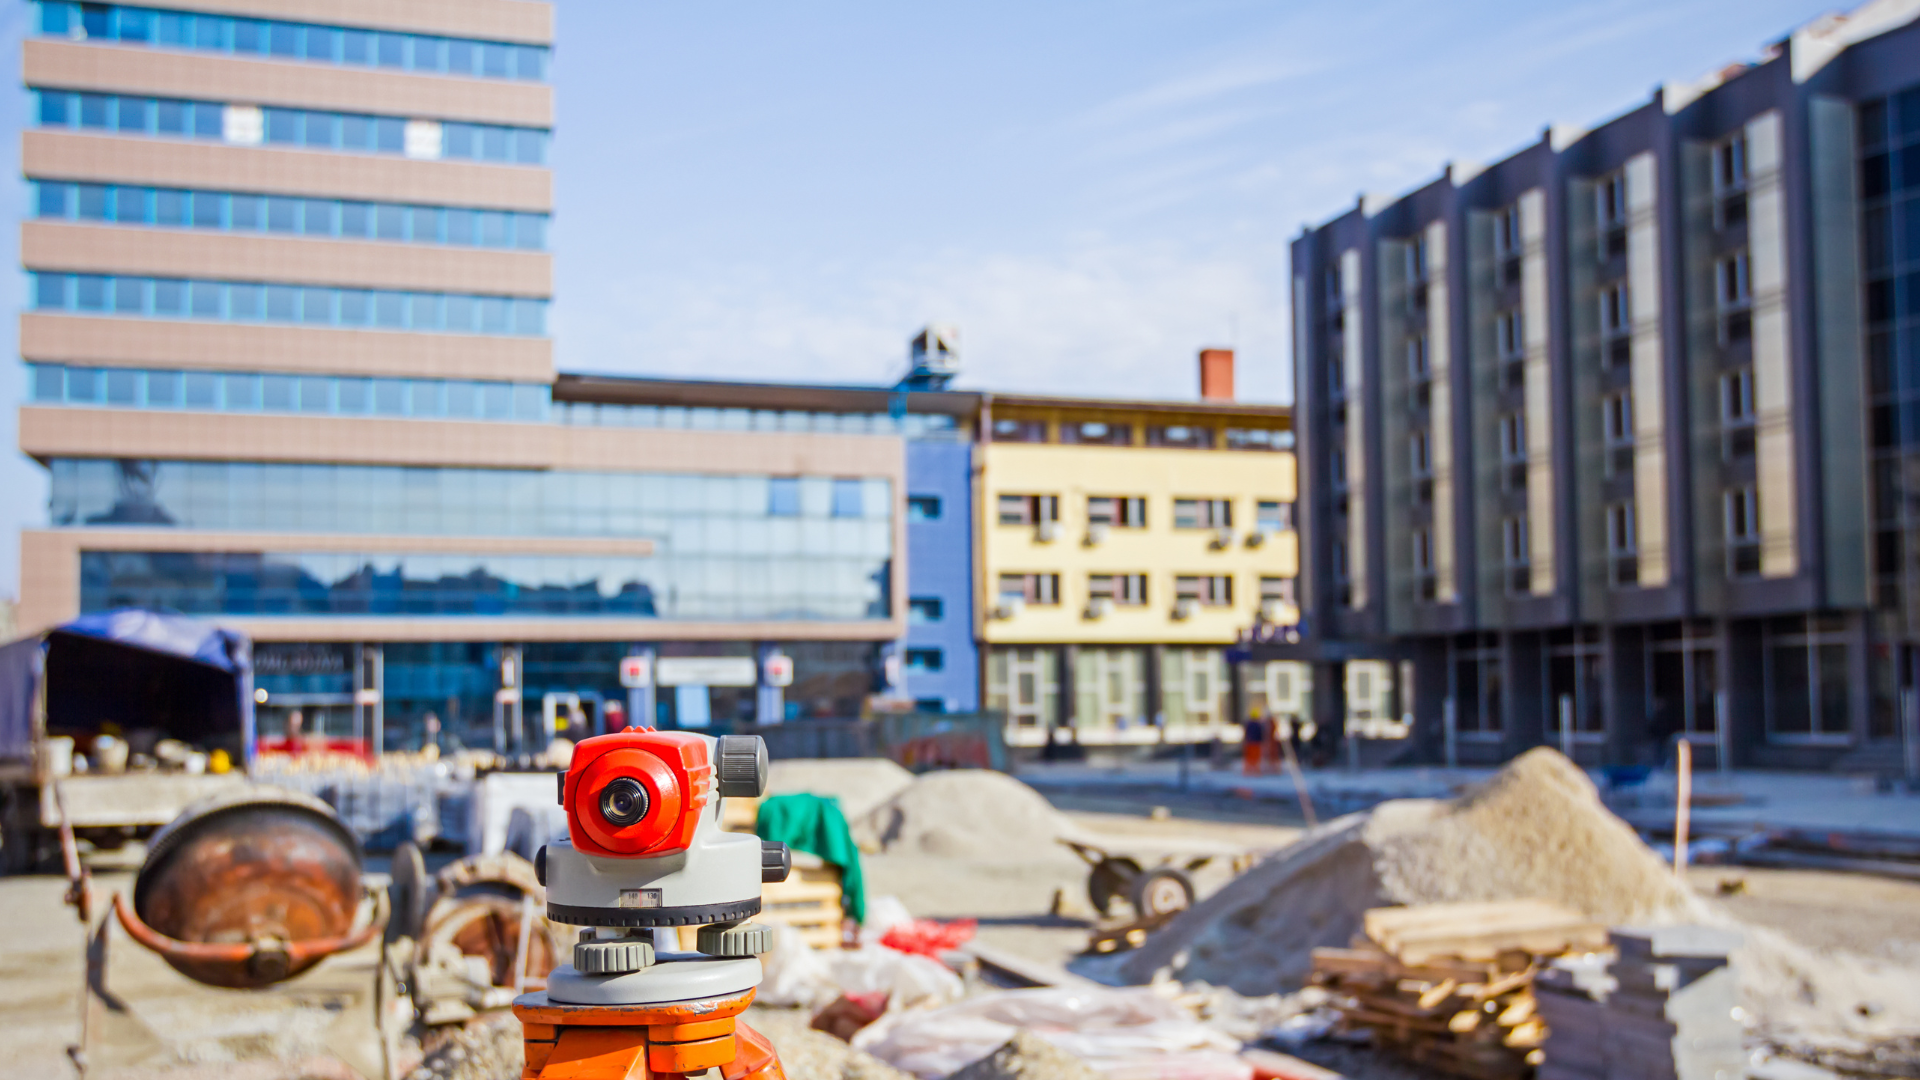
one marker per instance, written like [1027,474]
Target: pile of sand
[970,814]
[1537,829]
[859,783]
[1027,1057]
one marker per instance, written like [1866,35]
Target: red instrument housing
[673,768]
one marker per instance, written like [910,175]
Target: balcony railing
[1519,580]
[1626,570]
[1730,211]
[1736,325]
[1743,558]
[1738,442]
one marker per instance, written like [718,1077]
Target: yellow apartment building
[1124,546]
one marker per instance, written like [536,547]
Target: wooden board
[809,902]
[1482,931]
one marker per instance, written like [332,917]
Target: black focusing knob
[741,766]
[776,862]
[623,801]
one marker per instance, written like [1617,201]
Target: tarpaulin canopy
[173,634]
[125,666]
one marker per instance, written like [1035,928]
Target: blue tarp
[20,666]
[173,634]
[23,663]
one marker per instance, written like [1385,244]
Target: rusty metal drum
[249,888]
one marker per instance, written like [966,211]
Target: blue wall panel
[940,566]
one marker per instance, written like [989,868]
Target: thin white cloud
[1131,318]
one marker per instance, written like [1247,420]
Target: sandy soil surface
[1872,916]
[41,948]
[1014,902]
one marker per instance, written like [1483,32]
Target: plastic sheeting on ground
[798,975]
[1129,1034]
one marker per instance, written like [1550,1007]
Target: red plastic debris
[930,937]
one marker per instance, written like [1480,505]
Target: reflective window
[848,498]
[928,426]
[246,302]
[247,125]
[289,40]
[783,497]
[55,384]
[717,552]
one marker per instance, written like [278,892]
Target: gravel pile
[491,1047]
[971,814]
[806,1054]
[1536,829]
[1027,1056]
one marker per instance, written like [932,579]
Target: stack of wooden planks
[808,901]
[1450,986]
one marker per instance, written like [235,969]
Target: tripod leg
[755,1059]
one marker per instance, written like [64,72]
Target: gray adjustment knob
[742,766]
[776,862]
[611,957]
[736,939]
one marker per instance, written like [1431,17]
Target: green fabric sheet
[814,824]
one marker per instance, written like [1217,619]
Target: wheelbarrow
[1161,889]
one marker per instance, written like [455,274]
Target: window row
[1890,232]
[686,514]
[1096,433]
[1130,512]
[1042,589]
[292,40]
[252,125]
[912,425]
[233,391]
[314,305]
[350,584]
[339,218]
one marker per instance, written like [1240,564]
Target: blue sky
[1090,190]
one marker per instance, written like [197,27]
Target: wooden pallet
[808,901]
[1450,986]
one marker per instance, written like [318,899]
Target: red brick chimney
[1216,374]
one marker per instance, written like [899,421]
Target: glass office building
[288,367]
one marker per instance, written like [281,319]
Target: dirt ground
[1872,916]
[1014,903]
[326,1014]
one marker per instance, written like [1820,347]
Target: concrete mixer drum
[248,889]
